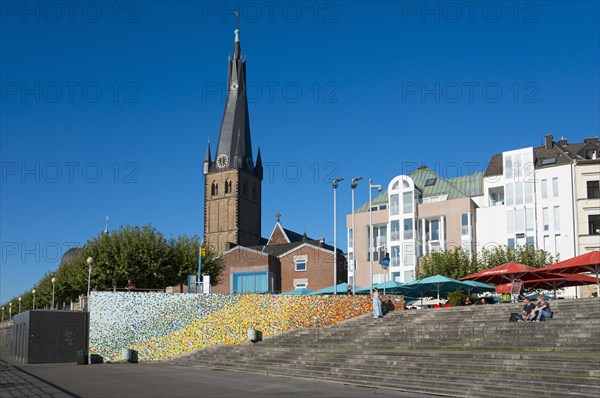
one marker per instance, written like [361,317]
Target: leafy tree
[139,253]
[458,263]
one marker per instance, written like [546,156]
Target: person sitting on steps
[542,310]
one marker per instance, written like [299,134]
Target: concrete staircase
[463,351]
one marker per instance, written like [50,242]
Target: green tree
[139,253]
[457,263]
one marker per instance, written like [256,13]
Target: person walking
[377,313]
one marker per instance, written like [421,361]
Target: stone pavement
[160,380]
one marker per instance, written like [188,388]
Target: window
[548,161]
[519,193]
[300,264]
[530,219]
[511,243]
[408,228]
[435,229]
[528,185]
[250,282]
[510,197]
[510,222]
[594,224]
[555,187]
[530,241]
[545,218]
[547,243]
[350,238]
[520,220]
[556,245]
[394,205]
[408,276]
[464,224]
[395,256]
[228,186]
[300,285]
[518,165]
[407,201]
[430,182]
[395,230]
[556,218]
[214,189]
[508,167]
[593,189]
[544,189]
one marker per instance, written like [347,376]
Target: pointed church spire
[207,158]
[234,150]
[258,167]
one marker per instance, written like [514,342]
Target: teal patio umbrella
[342,288]
[477,287]
[391,287]
[437,284]
[298,292]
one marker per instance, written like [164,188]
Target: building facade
[547,197]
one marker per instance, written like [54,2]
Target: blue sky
[107,106]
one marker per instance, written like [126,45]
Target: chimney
[322,242]
[548,142]
[562,142]
[590,139]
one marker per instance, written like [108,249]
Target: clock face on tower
[222,161]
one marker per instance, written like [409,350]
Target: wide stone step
[453,385]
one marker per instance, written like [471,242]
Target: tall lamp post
[53,282]
[371,187]
[33,292]
[336,183]
[19,305]
[2,314]
[90,262]
[353,186]
[9,311]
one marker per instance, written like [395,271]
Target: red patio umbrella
[507,272]
[555,282]
[588,262]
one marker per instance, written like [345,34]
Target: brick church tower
[232,183]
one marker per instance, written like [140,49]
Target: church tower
[232,183]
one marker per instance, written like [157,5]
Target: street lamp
[353,186]
[2,314]
[33,291]
[371,187]
[90,261]
[53,282]
[336,183]
[9,311]
[19,305]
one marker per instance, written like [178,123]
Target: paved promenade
[159,380]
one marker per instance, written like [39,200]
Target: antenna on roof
[106,227]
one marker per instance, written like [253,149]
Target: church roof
[234,149]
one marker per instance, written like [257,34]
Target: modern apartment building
[547,197]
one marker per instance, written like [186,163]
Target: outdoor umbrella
[554,282]
[436,284]
[342,288]
[391,287]
[507,272]
[477,287]
[298,291]
[588,262]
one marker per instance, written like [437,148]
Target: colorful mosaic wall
[160,326]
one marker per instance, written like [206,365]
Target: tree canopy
[142,254]
[458,263]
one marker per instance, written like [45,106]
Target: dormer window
[430,182]
[548,161]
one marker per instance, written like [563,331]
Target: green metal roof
[381,199]
[456,187]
